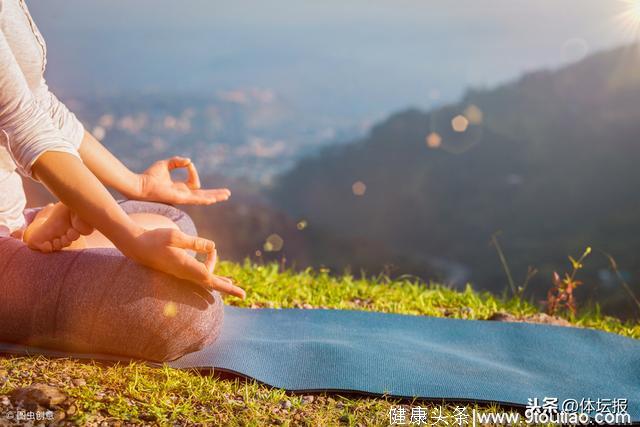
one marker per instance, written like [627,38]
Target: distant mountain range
[550,161]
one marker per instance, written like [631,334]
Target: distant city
[248,133]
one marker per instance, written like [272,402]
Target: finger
[225,279]
[181,240]
[222,284]
[177,162]
[206,197]
[228,279]
[212,259]
[219,194]
[57,245]
[193,180]
[193,270]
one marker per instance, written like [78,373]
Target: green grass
[141,394]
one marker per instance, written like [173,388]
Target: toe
[57,245]
[72,234]
[64,242]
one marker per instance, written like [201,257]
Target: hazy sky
[353,57]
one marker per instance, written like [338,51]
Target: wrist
[129,246]
[134,188]
[125,236]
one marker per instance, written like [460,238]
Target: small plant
[516,291]
[560,296]
[625,285]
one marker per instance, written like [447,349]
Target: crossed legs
[55,227]
[96,300]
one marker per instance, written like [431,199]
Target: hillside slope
[550,160]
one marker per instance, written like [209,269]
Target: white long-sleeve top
[32,119]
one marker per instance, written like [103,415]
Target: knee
[145,314]
[152,221]
[178,217]
[111,305]
[184,329]
[204,327]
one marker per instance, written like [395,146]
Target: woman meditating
[89,273]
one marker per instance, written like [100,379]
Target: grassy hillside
[96,393]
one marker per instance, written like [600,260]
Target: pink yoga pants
[98,301]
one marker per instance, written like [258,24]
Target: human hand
[164,249]
[156,185]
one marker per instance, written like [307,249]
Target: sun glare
[630,17]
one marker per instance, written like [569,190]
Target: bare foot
[56,227]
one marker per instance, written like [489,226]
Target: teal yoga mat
[417,356]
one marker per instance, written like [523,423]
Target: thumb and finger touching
[193,179]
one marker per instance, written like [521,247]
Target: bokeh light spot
[106,121]
[274,243]
[170,309]
[359,188]
[459,123]
[301,225]
[99,132]
[473,113]
[434,140]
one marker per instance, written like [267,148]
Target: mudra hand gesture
[156,184]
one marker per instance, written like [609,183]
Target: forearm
[163,249]
[108,169]
[79,189]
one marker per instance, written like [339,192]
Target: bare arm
[75,185]
[108,169]
[163,249]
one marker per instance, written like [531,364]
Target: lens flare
[434,140]
[459,123]
[170,309]
[274,243]
[359,188]
[629,17]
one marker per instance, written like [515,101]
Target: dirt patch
[542,318]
